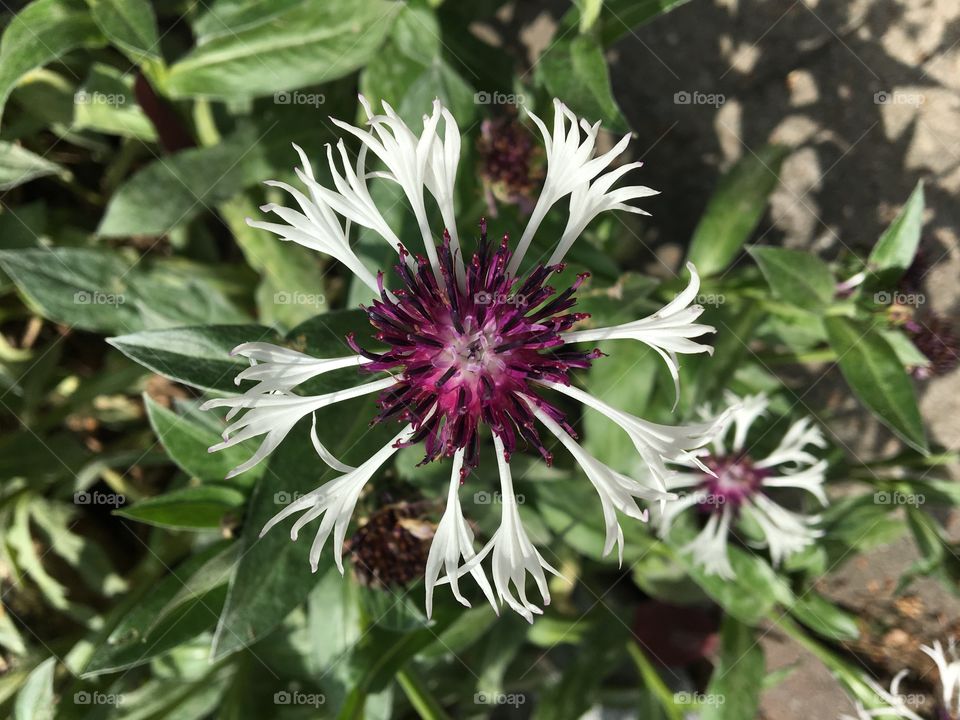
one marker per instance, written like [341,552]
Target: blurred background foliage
[135,138]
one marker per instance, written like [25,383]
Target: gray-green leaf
[18,166]
[876,375]
[735,209]
[796,277]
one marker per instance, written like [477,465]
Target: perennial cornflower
[470,343]
[725,486]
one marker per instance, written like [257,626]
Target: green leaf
[874,372]
[734,690]
[130,25]
[169,192]
[796,276]
[10,638]
[42,32]
[186,438]
[194,508]
[823,617]
[86,288]
[305,43]
[196,356]
[106,103]
[895,250]
[18,166]
[735,208]
[755,590]
[110,291]
[35,700]
[576,689]
[576,71]
[137,638]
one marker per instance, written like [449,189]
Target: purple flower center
[467,351]
[737,480]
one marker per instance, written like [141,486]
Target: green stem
[419,696]
[653,682]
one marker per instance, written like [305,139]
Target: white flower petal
[785,532]
[948,665]
[810,479]
[587,201]
[709,547]
[667,331]
[791,448]
[315,226]
[616,491]
[275,414]
[656,444]
[405,156]
[453,540]
[514,556]
[570,165]
[335,501]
